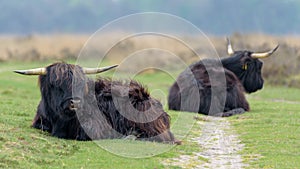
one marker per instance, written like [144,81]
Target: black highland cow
[194,87]
[74,106]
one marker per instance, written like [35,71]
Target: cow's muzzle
[75,104]
[72,104]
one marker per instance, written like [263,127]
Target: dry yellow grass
[282,68]
[40,47]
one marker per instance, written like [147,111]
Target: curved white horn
[36,71]
[230,50]
[264,54]
[97,70]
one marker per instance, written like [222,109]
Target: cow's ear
[246,61]
[245,66]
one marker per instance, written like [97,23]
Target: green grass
[270,131]
[25,147]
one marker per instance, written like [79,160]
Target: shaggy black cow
[217,88]
[74,106]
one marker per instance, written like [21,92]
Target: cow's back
[132,111]
[206,87]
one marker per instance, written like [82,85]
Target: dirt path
[220,147]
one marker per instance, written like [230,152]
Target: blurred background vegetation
[212,16]
[51,29]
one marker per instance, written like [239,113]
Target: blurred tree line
[212,16]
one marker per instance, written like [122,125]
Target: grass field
[270,131]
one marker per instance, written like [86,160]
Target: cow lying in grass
[74,106]
[216,87]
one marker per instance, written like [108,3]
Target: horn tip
[230,50]
[20,72]
[109,67]
[272,51]
[276,47]
[227,39]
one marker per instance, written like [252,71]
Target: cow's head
[63,86]
[247,66]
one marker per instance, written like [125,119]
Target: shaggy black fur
[247,69]
[192,90]
[108,109]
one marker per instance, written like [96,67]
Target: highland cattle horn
[230,50]
[264,54]
[97,70]
[36,71]
[43,71]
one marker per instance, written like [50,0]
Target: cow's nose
[75,104]
[75,101]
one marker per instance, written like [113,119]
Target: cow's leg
[234,112]
[41,123]
[64,129]
[231,112]
[165,137]
[172,139]
[69,129]
[81,135]
[59,131]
